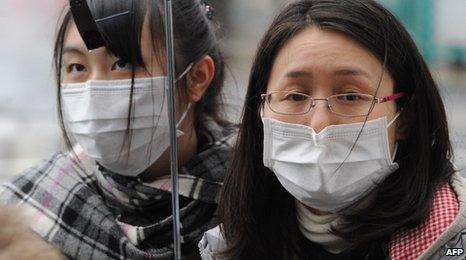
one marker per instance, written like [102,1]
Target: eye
[121,65]
[350,97]
[354,97]
[76,68]
[296,97]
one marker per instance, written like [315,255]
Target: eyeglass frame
[378,100]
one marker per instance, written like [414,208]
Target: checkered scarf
[90,213]
[411,243]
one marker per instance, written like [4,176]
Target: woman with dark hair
[343,151]
[109,196]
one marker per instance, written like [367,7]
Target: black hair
[258,214]
[195,37]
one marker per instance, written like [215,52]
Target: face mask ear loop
[394,153]
[394,119]
[183,116]
[190,66]
[396,144]
[185,113]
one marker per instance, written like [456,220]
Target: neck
[186,146]
[317,212]
[318,228]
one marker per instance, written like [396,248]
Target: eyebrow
[73,50]
[340,72]
[351,72]
[298,74]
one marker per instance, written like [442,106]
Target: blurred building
[28,127]
[437,26]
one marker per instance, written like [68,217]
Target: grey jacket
[444,247]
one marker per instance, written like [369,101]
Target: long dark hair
[258,214]
[195,37]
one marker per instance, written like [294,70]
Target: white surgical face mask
[96,116]
[309,165]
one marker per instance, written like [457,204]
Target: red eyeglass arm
[392,97]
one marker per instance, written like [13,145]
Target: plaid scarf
[90,213]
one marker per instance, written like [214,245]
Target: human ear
[200,77]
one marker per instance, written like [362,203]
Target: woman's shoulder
[18,242]
[448,219]
[60,172]
[211,244]
[455,236]
[56,196]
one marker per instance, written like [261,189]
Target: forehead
[73,39]
[324,51]
[149,55]
[72,36]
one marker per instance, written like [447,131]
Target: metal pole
[172,121]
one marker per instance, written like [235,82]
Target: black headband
[86,24]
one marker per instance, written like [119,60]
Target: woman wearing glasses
[344,150]
[110,197]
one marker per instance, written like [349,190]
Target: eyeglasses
[347,105]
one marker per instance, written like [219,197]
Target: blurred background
[29,130]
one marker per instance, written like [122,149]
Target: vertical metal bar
[172,122]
